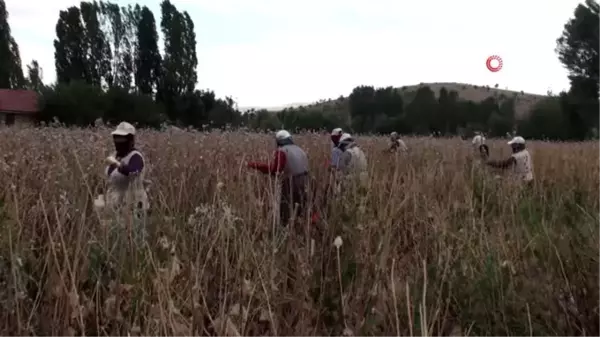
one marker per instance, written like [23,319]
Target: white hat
[282,134]
[124,129]
[394,134]
[517,140]
[345,136]
[336,132]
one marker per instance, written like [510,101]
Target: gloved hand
[112,160]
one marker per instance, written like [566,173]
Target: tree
[98,50]
[577,47]
[362,106]
[546,121]
[448,118]
[117,28]
[420,113]
[147,58]
[70,50]
[179,60]
[11,73]
[190,60]
[17,80]
[34,76]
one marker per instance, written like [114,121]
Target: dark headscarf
[284,141]
[484,151]
[124,145]
[336,139]
[517,147]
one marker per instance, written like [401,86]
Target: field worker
[291,164]
[397,144]
[520,161]
[484,151]
[478,140]
[125,172]
[335,151]
[353,162]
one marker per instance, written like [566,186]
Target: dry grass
[436,246]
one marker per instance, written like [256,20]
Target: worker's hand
[112,160]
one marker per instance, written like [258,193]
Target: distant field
[438,245]
[523,102]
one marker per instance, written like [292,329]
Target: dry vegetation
[436,246]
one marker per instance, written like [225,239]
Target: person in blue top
[333,165]
[125,171]
[335,151]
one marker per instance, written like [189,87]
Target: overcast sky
[276,52]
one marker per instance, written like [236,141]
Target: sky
[267,53]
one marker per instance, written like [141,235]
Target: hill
[468,92]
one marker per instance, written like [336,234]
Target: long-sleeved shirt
[274,167]
[352,160]
[478,140]
[398,145]
[335,157]
[135,165]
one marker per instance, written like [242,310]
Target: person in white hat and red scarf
[335,150]
[290,164]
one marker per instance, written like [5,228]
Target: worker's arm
[345,159]
[134,166]
[276,166]
[502,164]
[335,158]
[110,168]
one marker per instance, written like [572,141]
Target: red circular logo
[491,67]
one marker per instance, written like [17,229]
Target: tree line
[109,67]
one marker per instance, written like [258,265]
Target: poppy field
[437,245]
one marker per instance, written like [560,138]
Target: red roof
[19,101]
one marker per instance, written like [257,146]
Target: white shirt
[401,145]
[353,163]
[478,140]
[523,169]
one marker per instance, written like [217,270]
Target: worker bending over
[353,162]
[397,144]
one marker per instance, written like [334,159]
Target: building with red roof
[18,106]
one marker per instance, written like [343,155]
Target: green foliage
[34,76]
[546,121]
[11,73]
[148,58]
